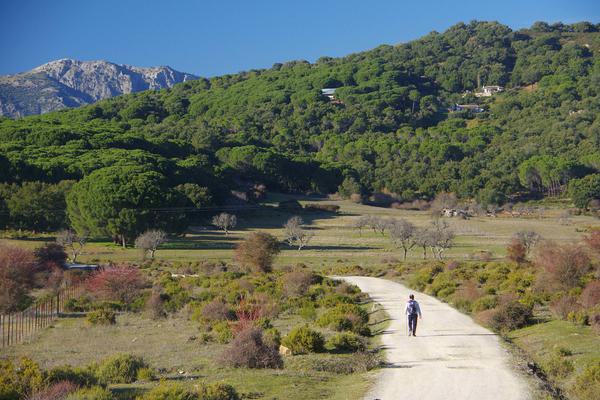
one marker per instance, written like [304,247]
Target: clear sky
[208,38]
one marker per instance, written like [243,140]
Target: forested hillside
[388,129]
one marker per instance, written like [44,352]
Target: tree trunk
[152,253]
[405,251]
[123,241]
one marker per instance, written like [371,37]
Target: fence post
[9,328]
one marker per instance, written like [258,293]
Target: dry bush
[592,240]
[485,317]
[57,391]
[120,283]
[469,291]
[510,316]
[257,251]
[249,349]
[155,305]
[356,198]
[266,306]
[17,269]
[595,322]
[563,265]
[590,297]
[296,283]
[563,306]
[516,251]
[452,265]
[217,310]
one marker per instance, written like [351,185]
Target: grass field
[172,347]
[334,241]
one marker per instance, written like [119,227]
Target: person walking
[412,310]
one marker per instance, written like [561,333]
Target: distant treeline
[389,128]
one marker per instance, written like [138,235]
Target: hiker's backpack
[412,307]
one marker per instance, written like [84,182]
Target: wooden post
[9,328]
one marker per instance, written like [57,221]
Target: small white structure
[488,91]
[82,267]
[329,93]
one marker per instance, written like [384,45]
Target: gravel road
[451,358]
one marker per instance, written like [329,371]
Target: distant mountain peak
[67,83]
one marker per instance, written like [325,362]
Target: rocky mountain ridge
[69,83]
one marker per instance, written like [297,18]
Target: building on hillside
[474,108]
[487,91]
[329,93]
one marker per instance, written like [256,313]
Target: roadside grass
[543,340]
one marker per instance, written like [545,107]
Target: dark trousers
[412,324]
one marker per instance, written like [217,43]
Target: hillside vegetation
[388,129]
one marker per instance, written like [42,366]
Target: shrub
[564,265]
[302,340]
[80,304]
[121,368]
[308,312]
[56,391]
[166,391]
[249,349]
[355,363]
[217,310]
[558,366]
[101,317]
[484,303]
[17,271]
[516,251]
[592,240]
[155,304]
[590,297]
[145,374]
[78,376]
[272,336]
[346,342]
[222,332]
[578,317]
[296,283]
[346,317]
[595,322]
[511,315]
[563,305]
[18,379]
[121,283]
[587,384]
[257,251]
[93,393]
[217,391]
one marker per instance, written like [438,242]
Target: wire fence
[19,326]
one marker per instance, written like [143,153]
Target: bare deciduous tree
[149,241]
[528,239]
[362,222]
[295,234]
[422,239]
[402,234]
[441,237]
[224,222]
[72,241]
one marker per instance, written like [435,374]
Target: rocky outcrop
[71,83]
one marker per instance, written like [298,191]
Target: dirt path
[451,357]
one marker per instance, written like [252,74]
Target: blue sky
[210,38]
